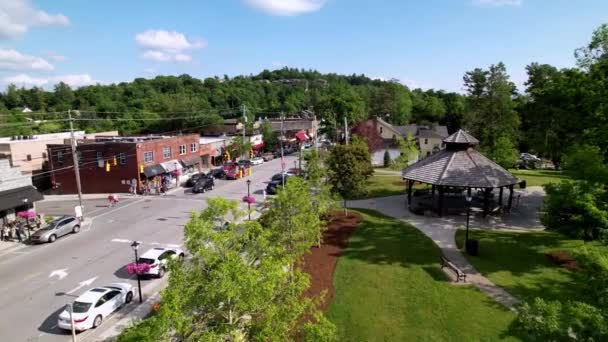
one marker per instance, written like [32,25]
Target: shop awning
[301,136]
[154,170]
[191,161]
[258,146]
[14,198]
[171,165]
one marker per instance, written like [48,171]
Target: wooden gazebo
[460,167]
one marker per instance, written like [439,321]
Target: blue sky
[428,44]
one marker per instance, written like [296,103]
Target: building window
[182,150]
[28,157]
[166,152]
[99,155]
[426,141]
[79,157]
[43,155]
[60,156]
[148,157]
[381,130]
[193,147]
[122,158]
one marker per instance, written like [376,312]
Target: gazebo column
[409,193]
[433,190]
[486,201]
[510,203]
[440,206]
[500,197]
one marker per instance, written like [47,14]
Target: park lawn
[516,261]
[539,177]
[388,286]
[383,185]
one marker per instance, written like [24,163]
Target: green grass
[516,261]
[388,286]
[382,185]
[539,177]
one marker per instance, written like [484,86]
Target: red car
[233,174]
[228,167]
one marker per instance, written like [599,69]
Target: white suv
[158,257]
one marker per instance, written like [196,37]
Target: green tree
[586,163]
[504,153]
[491,109]
[409,152]
[271,140]
[234,287]
[349,167]
[292,220]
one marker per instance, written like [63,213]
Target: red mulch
[563,259]
[320,263]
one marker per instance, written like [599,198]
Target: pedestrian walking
[113,199]
[5,232]
[38,221]
[18,232]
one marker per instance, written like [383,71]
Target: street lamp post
[27,219]
[466,236]
[135,246]
[248,201]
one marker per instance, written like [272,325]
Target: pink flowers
[140,268]
[249,199]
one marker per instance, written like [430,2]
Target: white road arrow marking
[122,240]
[82,284]
[61,273]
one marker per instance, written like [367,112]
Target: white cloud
[497,3]
[54,56]
[167,46]
[74,80]
[286,7]
[14,60]
[17,16]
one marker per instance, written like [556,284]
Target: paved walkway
[443,231]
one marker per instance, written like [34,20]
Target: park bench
[459,273]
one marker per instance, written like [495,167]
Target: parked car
[257,161]
[93,306]
[203,184]
[277,181]
[269,156]
[194,178]
[218,173]
[58,227]
[233,175]
[244,163]
[229,167]
[528,156]
[158,257]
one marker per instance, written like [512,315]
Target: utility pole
[345,130]
[244,129]
[75,162]
[282,160]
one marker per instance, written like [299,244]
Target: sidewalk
[443,232]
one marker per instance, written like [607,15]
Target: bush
[577,209]
[387,159]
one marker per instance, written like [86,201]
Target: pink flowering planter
[140,268]
[249,199]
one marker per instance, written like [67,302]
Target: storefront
[17,200]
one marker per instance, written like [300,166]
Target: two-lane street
[37,281]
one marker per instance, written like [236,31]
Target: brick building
[131,161]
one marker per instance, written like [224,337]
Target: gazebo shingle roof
[460,165]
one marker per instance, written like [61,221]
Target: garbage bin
[472,247]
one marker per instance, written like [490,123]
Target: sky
[427,44]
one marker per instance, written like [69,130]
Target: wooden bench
[460,275]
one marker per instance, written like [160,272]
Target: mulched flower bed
[320,263]
[563,259]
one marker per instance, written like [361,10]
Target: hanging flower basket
[29,214]
[249,199]
[140,268]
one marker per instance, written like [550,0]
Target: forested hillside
[557,109]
